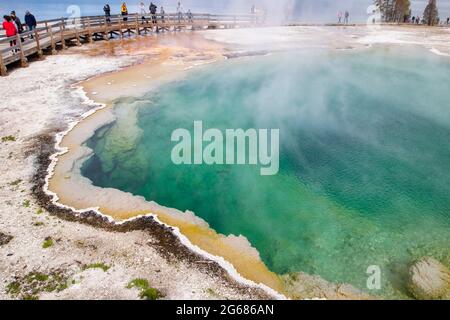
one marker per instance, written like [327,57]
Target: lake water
[364,158]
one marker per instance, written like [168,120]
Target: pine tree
[431,14]
[393,10]
[401,10]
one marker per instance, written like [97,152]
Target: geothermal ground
[46,256]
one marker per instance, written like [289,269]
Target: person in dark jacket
[31,22]
[107,11]
[18,23]
[153,9]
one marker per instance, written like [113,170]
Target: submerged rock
[235,55]
[429,279]
[301,286]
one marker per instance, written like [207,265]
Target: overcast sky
[306,10]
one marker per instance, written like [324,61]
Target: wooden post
[120,27]
[106,33]
[77,36]
[61,29]
[137,24]
[3,70]
[23,58]
[89,35]
[144,26]
[52,39]
[38,45]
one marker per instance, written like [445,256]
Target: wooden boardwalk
[56,34]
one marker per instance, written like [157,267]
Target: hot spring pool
[364,158]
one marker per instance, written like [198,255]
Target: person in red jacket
[10,29]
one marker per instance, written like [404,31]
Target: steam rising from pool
[364,160]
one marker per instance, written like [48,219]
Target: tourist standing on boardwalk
[11,30]
[413,19]
[189,15]
[347,15]
[107,11]
[18,23]
[31,22]
[124,11]
[253,12]
[180,12]
[339,16]
[448,20]
[153,9]
[163,20]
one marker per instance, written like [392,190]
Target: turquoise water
[364,158]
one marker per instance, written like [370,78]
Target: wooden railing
[56,33]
